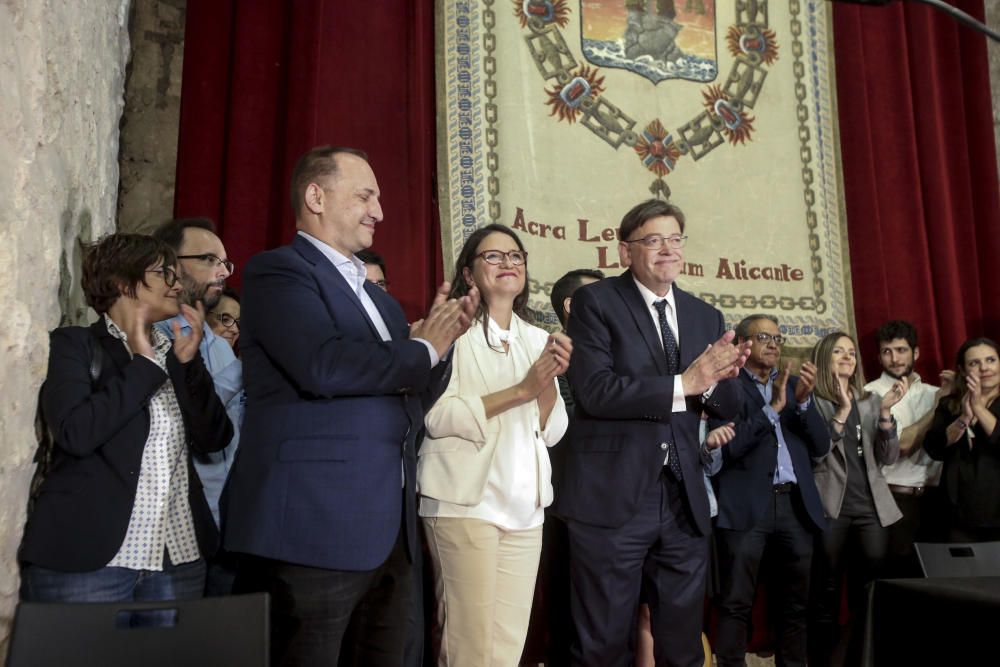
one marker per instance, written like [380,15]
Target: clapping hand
[895,393]
[721,435]
[947,380]
[720,361]
[778,395]
[186,345]
[807,382]
[447,319]
[553,361]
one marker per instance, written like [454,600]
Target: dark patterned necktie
[670,351]
[673,358]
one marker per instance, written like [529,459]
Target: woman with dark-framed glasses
[854,493]
[483,471]
[119,514]
[224,317]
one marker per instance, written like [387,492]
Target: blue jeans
[114,584]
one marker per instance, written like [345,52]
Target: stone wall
[152,113]
[62,70]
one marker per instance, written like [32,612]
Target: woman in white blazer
[483,470]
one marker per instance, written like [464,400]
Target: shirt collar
[889,380]
[501,335]
[159,341]
[650,297]
[773,373]
[352,268]
[207,334]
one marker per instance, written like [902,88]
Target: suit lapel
[685,314]
[750,387]
[643,320]
[327,274]
[113,347]
[384,304]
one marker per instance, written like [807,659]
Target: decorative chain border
[490,92]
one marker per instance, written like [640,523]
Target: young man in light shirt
[913,479]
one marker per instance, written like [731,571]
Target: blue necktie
[673,358]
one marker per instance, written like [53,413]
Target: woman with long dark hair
[965,436]
[483,471]
[120,514]
[854,494]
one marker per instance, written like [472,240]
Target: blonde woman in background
[854,494]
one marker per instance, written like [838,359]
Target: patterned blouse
[161,515]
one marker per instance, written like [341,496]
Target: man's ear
[916,353]
[566,305]
[314,198]
[623,255]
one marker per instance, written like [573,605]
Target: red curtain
[265,80]
[920,175]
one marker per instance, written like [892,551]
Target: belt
[916,491]
[784,487]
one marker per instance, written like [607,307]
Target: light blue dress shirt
[785,472]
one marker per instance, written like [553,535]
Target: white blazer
[454,461]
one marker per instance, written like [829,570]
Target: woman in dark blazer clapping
[965,436]
[120,514]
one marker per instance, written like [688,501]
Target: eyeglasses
[225,319]
[495,257]
[381,283]
[656,241]
[765,338]
[167,273]
[212,260]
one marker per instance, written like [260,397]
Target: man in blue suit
[768,498]
[321,497]
[648,359]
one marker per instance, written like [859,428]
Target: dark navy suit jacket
[100,429]
[331,412]
[751,457]
[624,400]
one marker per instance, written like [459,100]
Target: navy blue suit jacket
[624,400]
[751,458]
[332,410]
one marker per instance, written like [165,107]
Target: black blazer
[623,403]
[84,505]
[971,477]
[751,457]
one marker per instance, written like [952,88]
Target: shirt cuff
[709,456]
[679,404]
[431,351]
[802,407]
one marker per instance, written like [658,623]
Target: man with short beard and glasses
[203,267]
[913,479]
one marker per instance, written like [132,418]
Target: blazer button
[663,445]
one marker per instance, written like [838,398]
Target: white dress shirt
[918,469]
